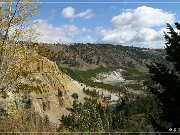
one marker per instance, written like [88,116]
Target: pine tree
[166,80]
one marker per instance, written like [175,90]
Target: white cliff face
[110,77]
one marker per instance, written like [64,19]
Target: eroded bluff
[38,86]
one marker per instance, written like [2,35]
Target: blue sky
[138,23]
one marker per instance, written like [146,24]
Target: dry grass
[26,121]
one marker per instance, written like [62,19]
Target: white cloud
[86,14]
[142,17]
[69,12]
[86,30]
[150,37]
[87,39]
[116,36]
[60,34]
[142,26]
[146,37]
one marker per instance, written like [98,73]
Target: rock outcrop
[39,86]
[112,77]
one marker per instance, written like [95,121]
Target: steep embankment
[38,86]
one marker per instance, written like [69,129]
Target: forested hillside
[88,56]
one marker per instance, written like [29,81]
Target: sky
[140,23]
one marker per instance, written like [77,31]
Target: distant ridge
[89,56]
